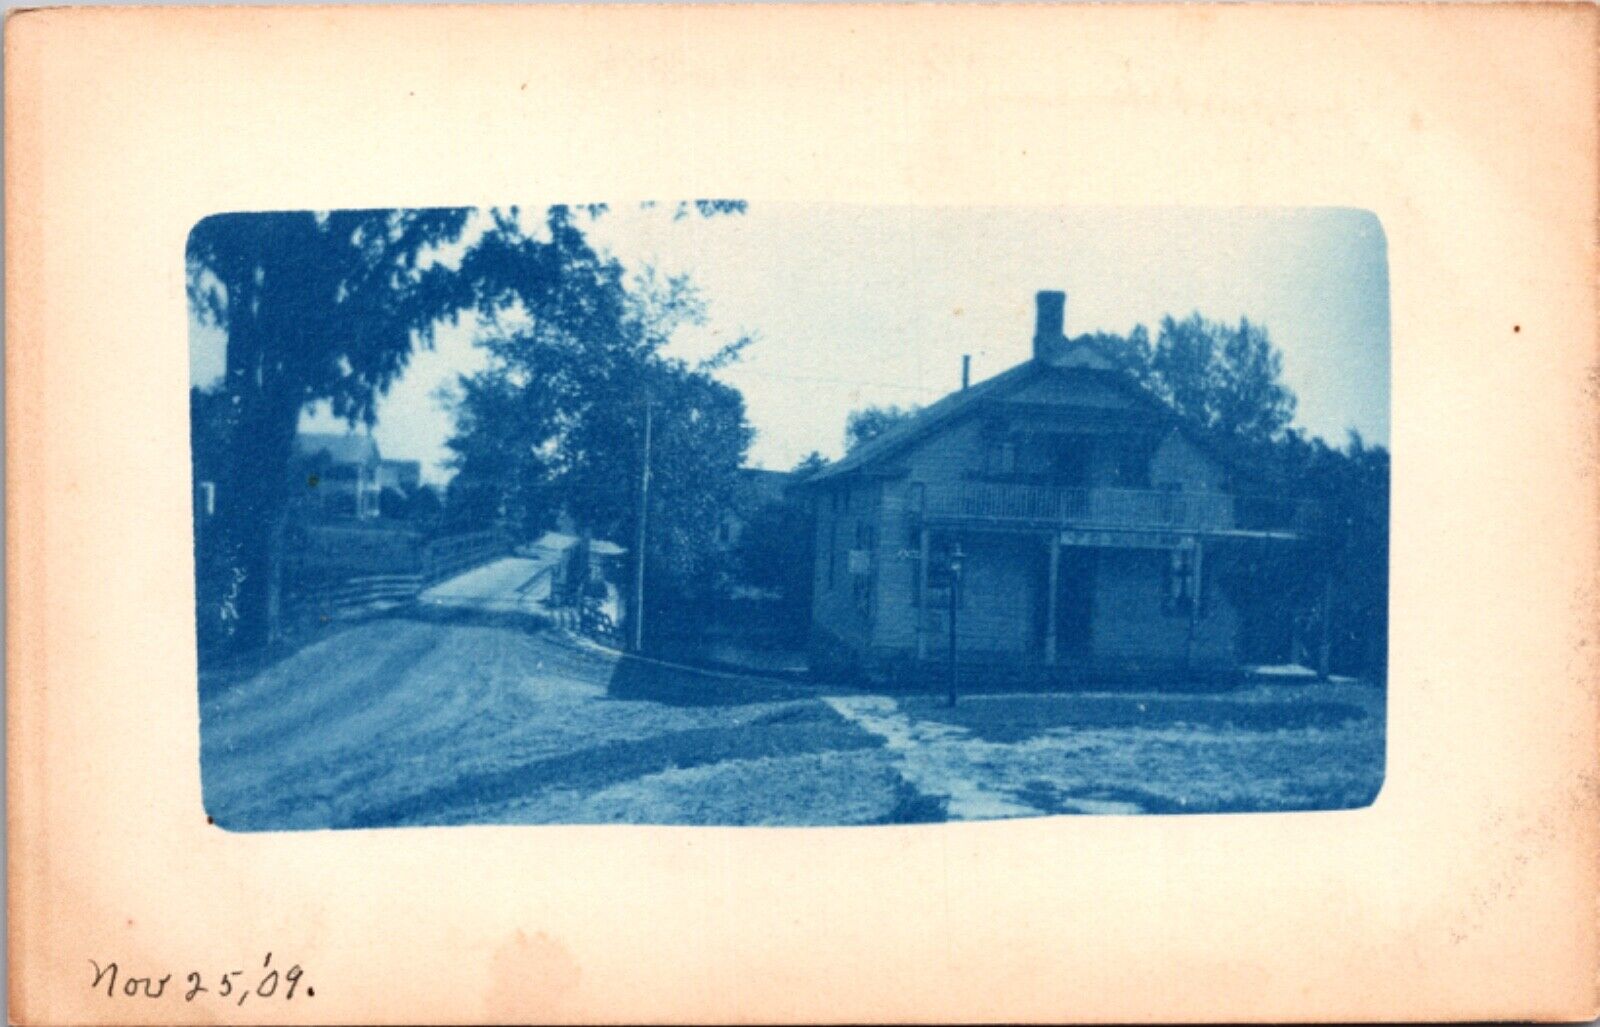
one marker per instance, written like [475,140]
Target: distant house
[1089,526]
[341,472]
[346,475]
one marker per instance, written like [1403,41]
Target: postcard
[801,514]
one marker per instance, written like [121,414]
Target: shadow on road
[676,685]
[476,616]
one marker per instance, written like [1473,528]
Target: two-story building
[341,472]
[1076,519]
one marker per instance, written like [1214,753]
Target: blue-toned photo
[723,513]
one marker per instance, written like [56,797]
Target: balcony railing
[1052,506]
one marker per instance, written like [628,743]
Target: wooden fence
[324,591]
[369,592]
[448,556]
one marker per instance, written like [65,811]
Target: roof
[1081,357]
[341,449]
[925,421]
[556,540]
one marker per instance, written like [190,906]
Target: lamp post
[955,602]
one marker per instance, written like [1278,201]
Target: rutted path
[408,720]
[946,761]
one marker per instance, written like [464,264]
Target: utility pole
[638,543]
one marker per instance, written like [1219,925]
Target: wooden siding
[998,596]
[944,457]
[1178,462]
[844,513]
[1001,613]
[1071,390]
[1130,625]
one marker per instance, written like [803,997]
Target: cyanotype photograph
[727,513]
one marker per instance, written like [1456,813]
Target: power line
[837,381]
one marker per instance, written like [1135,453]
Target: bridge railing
[326,588]
[448,556]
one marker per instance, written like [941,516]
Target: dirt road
[435,716]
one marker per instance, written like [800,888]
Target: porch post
[922,597]
[1050,599]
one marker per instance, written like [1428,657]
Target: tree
[1225,383]
[315,306]
[775,550]
[422,508]
[808,465]
[330,306]
[1350,488]
[1225,380]
[868,423]
[212,430]
[555,423]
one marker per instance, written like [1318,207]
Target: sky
[854,306]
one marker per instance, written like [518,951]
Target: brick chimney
[1049,336]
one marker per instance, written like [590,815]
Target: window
[861,568]
[1183,585]
[1133,466]
[1002,457]
[916,502]
[940,548]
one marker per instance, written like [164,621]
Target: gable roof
[1081,357]
[925,422]
[341,449]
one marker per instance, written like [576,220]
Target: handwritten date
[234,986]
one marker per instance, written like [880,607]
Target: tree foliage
[315,306]
[776,550]
[809,464]
[1224,382]
[866,424]
[330,306]
[556,422]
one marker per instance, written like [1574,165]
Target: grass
[1008,719]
